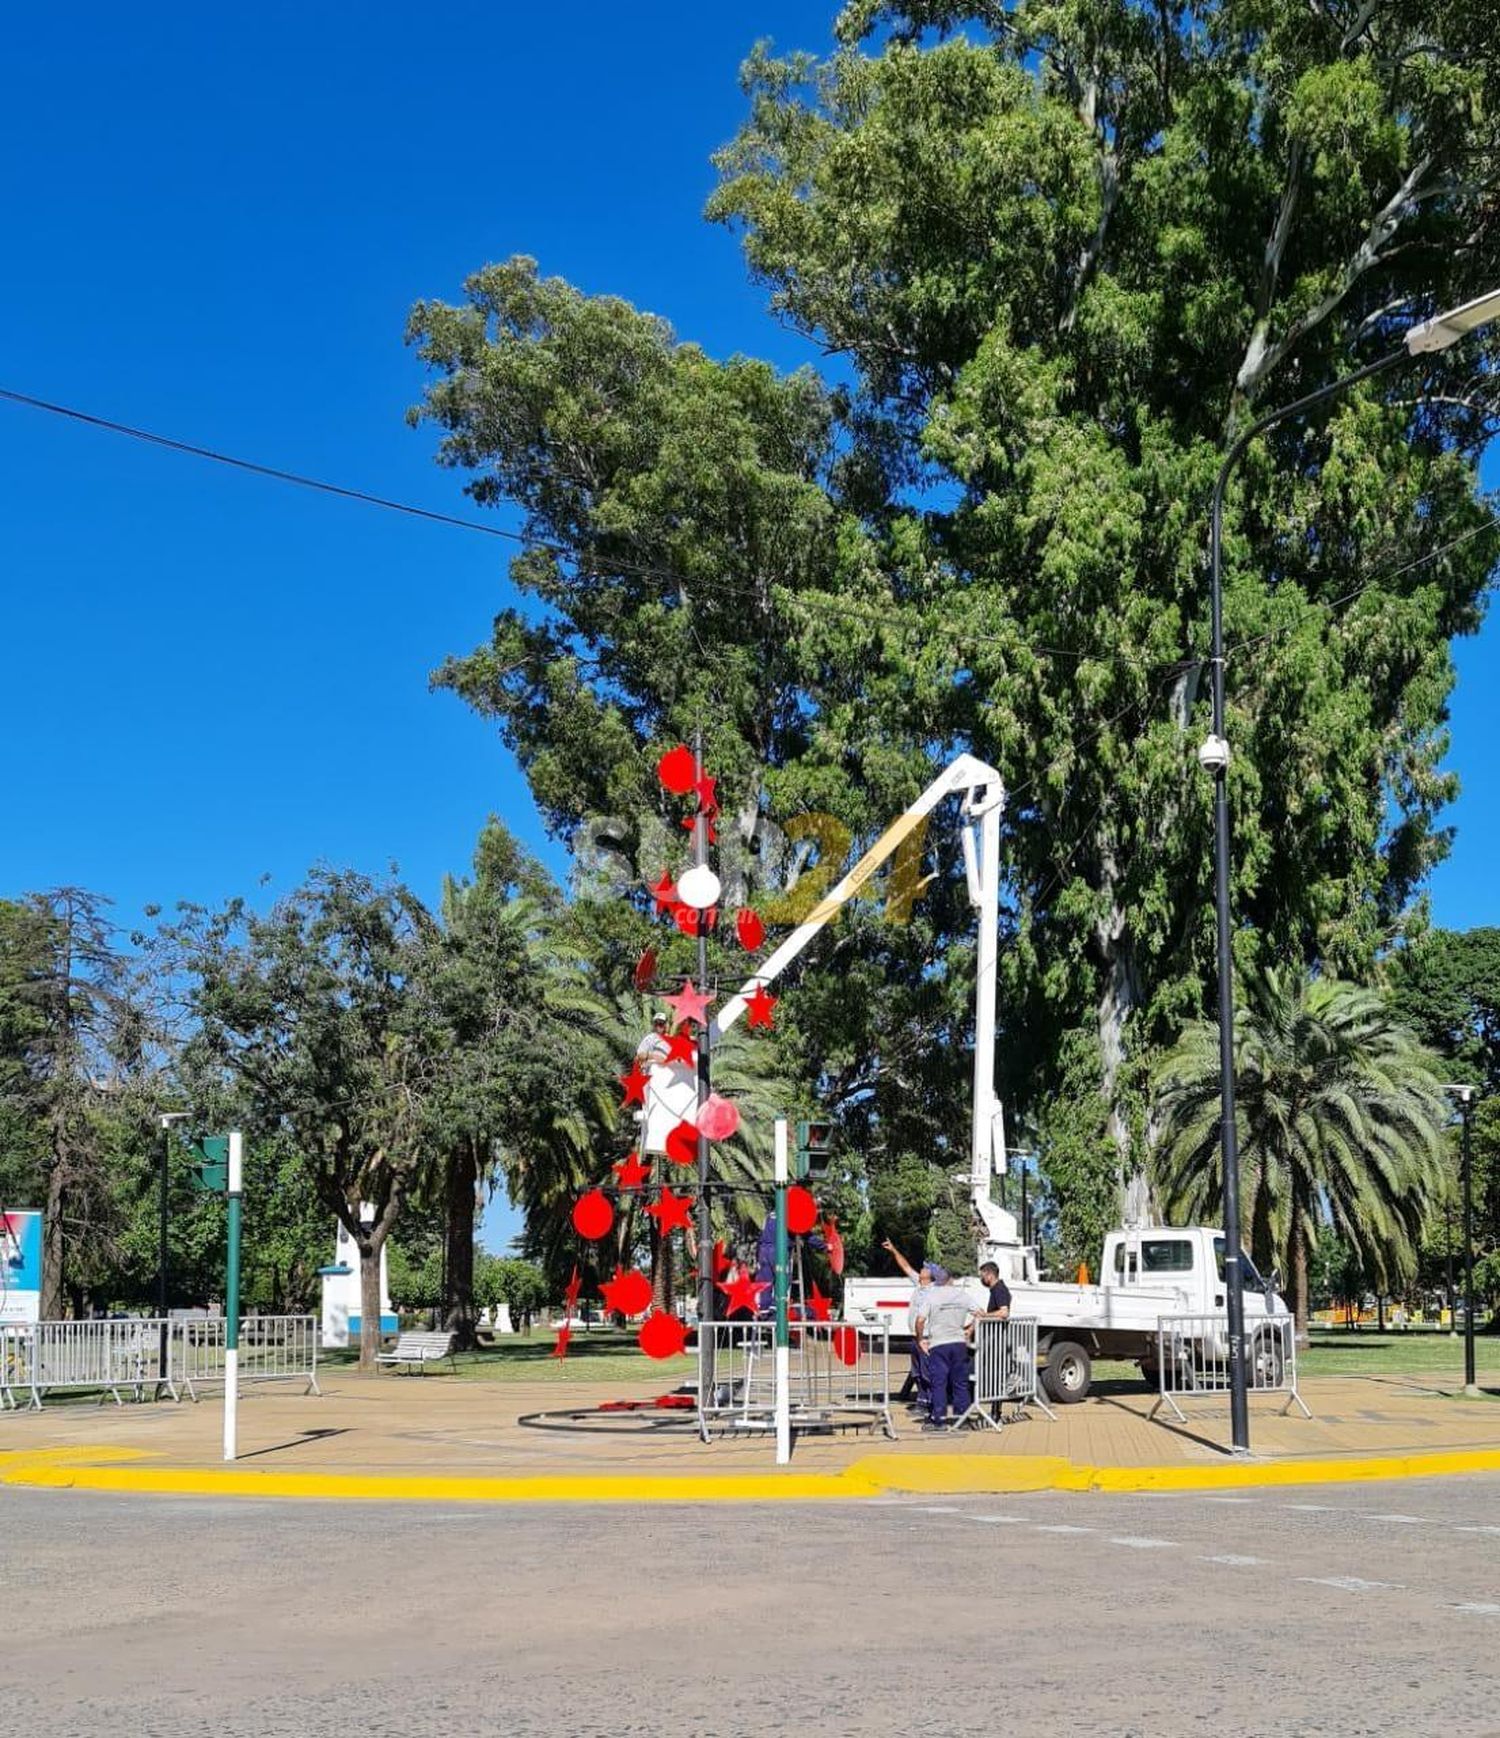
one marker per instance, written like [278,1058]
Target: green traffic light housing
[211,1164]
[814,1147]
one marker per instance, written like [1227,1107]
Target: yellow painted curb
[550,1488]
[78,1468]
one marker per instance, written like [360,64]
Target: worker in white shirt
[921,1277]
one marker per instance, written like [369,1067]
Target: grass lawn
[600,1355]
[609,1356]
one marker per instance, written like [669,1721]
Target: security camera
[1213,754]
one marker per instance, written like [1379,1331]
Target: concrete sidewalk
[425,1435]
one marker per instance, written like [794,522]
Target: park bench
[419,1350]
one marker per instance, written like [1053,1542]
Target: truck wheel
[1267,1362]
[1068,1373]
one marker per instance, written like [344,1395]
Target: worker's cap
[658,1019]
[939,1274]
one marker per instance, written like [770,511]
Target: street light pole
[1465,1096]
[1431,335]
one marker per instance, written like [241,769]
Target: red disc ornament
[677,770]
[629,1292]
[682,1144]
[846,1345]
[835,1244]
[662,1335]
[645,969]
[801,1210]
[750,928]
[593,1215]
[718,1118]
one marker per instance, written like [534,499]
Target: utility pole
[232,1297]
[783,1358]
[706,1275]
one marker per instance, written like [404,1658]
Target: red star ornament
[682,1048]
[691,821]
[721,1260]
[689,1003]
[819,1308]
[628,1293]
[662,1335]
[664,893]
[682,1144]
[742,1293]
[635,1084]
[564,1334]
[593,1215]
[671,1212]
[688,920]
[572,1289]
[758,1008]
[678,770]
[631,1171]
[707,792]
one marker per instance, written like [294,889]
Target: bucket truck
[1146,1272]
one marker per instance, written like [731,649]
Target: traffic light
[814,1147]
[211,1163]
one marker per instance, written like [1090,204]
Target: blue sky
[216,220]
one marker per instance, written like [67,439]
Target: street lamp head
[1446,329]
[1463,1092]
[166,1118]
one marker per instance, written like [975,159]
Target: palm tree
[1341,1120]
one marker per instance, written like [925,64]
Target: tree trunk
[369,1301]
[459,1316]
[661,1270]
[1119,1000]
[1297,1270]
[52,1243]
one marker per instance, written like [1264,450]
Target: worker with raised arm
[921,1277]
[941,1334]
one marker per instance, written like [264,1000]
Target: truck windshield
[1249,1273]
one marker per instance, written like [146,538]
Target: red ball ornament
[593,1215]
[629,1292]
[662,1335]
[801,1210]
[677,770]
[718,1118]
[750,928]
[846,1345]
[682,1144]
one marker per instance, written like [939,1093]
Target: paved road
[1356,1610]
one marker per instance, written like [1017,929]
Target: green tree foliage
[1341,1119]
[1062,252]
[311,1016]
[75,1087]
[520,1285]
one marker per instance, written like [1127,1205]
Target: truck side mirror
[1274,1282]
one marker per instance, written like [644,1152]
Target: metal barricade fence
[17,1349]
[839,1376]
[272,1349]
[1192,1358]
[43,1357]
[736,1376]
[1004,1372]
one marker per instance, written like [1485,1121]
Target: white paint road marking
[1311,1508]
[1139,1544]
[1062,1529]
[1492,1531]
[1352,1584]
[1232,1561]
[999,1520]
[1231,1499]
[1400,1520]
[1478,1608]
